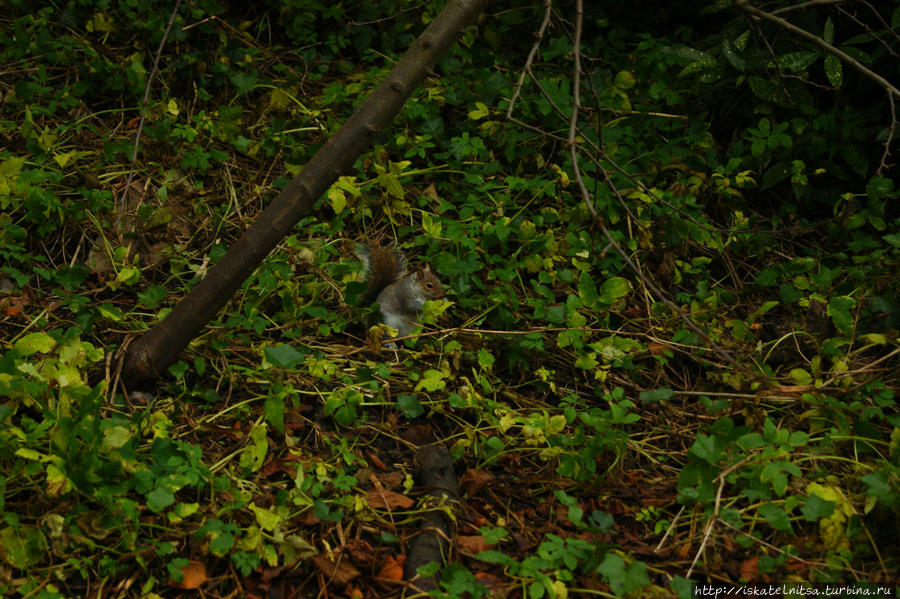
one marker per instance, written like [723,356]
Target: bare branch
[548,5]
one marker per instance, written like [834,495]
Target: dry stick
[137,136]
[715,515]
[586,196]
[890,137]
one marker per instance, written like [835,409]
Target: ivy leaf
[775,516]
[283,356]
[839,308]
[816,508]
[657,395]
[244,82]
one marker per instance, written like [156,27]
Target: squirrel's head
[430,283]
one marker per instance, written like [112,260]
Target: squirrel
[400,296]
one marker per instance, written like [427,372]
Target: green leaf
[834,70]
[614,289]
[221,544]
[22,547]
[485,359]
[244,82]
[409,405]
[432,380]
[828,31]
[840,309]
[816,508]
[480,112]
[115,437]
[266,518]
[878,485]
[624,80]
[800,376]
[159,499]
[587,291]
[775,516]
[797,61]
[623,579]
[283,356]
[657,395]
[731,54]
[706,448]
[274,411]
[254,455]
[33,343]
[761,88]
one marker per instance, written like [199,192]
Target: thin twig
[528,62]
[887,143]
[137,136]
[804,5]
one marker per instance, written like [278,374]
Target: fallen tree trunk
[148,356]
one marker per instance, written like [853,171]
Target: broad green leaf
[409,405]
[797,61]
[834,70]
[35,343]
[624,80]
[159,499]
[775,516]
[614,289]
[731,54]
[432,380]
[274,411]
[480,112]
[266,518]
[22,547]
[816,508]
[221,543]
[656,395]
[283,356]
[841,311]
[115,437]
[254,455]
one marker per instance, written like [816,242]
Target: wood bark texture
[148,356]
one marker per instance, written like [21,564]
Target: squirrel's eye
[429,286]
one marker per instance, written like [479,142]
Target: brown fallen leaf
[472,481]
[383,499]
[658,349]
[339,573]
[473,544]
[392,568]
[194,576]
[749,568]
